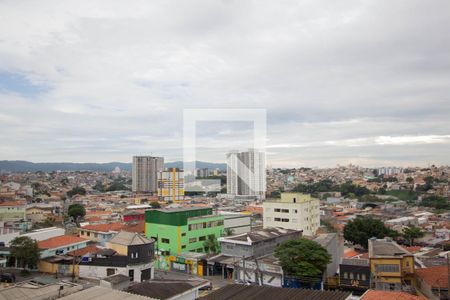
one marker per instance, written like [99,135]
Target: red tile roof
[436,276]
[138,228]
[59,241]
[389,295]
[105,227]
[84,251]
[12,203]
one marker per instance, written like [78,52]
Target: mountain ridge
[27,166]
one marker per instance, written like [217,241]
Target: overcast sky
[363,82]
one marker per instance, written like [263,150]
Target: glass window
[165,241]
[277,210]
[202,238]
[192,240]
[387,268]
[277,219]
[183,234]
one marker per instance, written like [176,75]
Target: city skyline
[351,82]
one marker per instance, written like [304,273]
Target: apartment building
[246,173]
[171,185]
[293,211]
[145,173]
[179,230]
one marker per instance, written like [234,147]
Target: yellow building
[171,185]
[391,266]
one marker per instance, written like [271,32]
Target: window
[200,250]
[277,219]
[192,240]
[345,275]
[351,275]
[202,238]
[285,210]
[277,210]
[154,238]
[295,211]
[387,268]
[363,276]
[88,233]
[183,246]
[295,200]
[165,241]
[183,234]
[285,220]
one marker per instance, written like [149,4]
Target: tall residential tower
[246,173]
[145,173]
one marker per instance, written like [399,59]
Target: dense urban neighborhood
[344,232]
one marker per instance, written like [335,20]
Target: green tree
[303,258]
[361,229]
[25,250]
[410,180]
[78,190]
[211,244]
[411,233]
[155,204]
[228,231]
[76,211]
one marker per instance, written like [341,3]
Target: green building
[178,230]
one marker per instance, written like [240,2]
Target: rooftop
[260,235]
[104,227]
[434,276]
[165,289]
[117,278]
[385,247]
[179,209]
[102,293]
[389,295]
[255,292]
[129,238]
[38,289]
[59,241]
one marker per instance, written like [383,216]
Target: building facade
[127,253]
[171,185]
[391,266]
[293,211]
[145,173]
[246,173]
[182,230]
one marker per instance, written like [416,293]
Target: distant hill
[26,166]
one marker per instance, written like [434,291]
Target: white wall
[99,272]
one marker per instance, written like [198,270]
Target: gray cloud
[334,76]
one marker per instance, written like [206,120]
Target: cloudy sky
[364,82]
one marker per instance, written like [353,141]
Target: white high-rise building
[246,173]
[145,173]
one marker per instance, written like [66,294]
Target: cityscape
[225,150]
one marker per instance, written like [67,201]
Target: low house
[433,282]
[126,253]
[354,274]
[389,295]
[100,233]
[61,245]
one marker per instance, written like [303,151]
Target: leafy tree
[303,258]
[436,202]
[76,211]
[228,231]
[155,204]
[361,229]
[411,233]
[409,180]
[49,221]
[76,191]
[25,250]
[211,245]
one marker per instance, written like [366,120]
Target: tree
[361,229]
[25,250]
[211,245]
[228,231]
[78,190]
[76,211]
[411,233]
[303,258]
[155,204]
